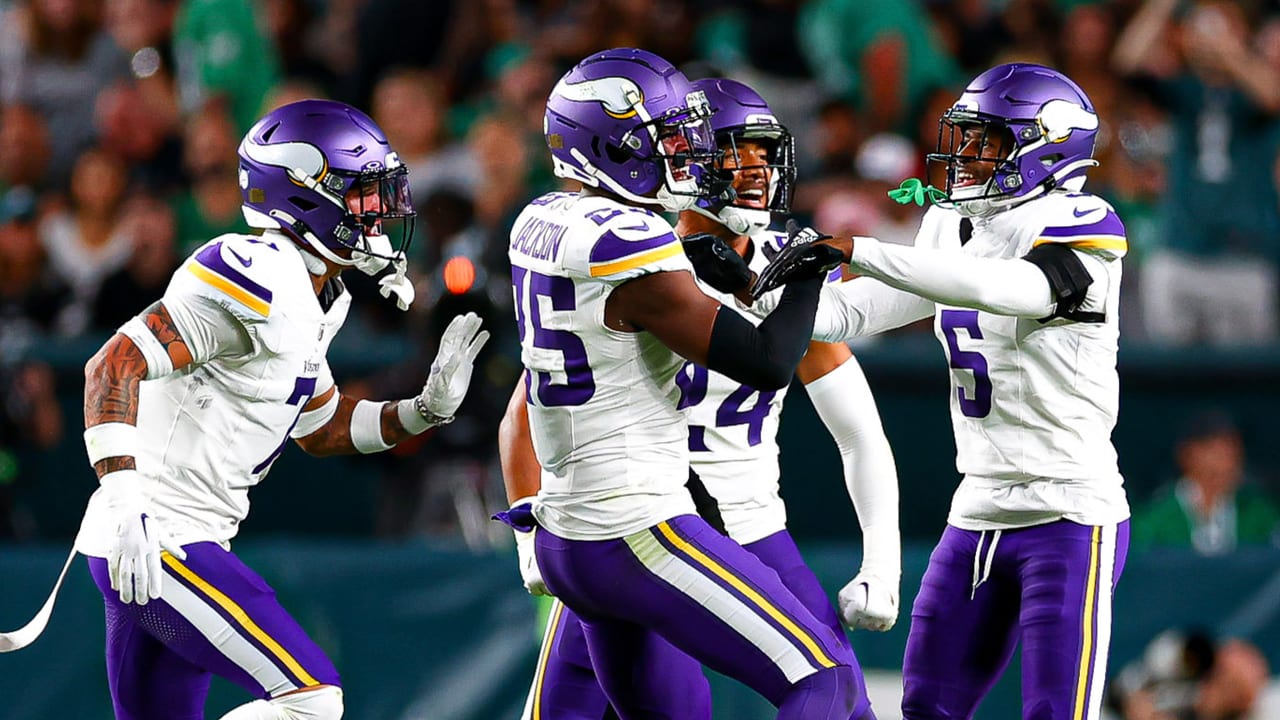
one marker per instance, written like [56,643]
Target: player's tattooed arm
[334,437]
[113,375]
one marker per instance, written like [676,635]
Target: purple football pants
[1049,586]
[641,614]
[215,617]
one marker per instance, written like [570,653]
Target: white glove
[529,571]
[133,563]
[451,371]
[869,602]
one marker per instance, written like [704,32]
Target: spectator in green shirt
[1210,508]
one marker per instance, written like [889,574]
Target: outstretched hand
[451,372]
[805,256]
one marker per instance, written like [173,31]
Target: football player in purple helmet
[609,313]
[733,428]
[1020,269]
[190,403]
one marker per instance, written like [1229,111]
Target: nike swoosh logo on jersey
[243,261]
[1081,213]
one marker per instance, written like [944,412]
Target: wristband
[111,439]
[366,427]
[416,418]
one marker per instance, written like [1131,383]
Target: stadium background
[388,561]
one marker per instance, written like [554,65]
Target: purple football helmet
[1045,118]
[741,114]
[324,173]
[628,122]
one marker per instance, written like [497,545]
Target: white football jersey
[1033,402]
[733,432]
[602,403]
[211,431]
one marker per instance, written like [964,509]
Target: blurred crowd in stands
[119,121]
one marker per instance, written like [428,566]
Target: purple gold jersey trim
[1105,234]
[1109,224]
[671,249]
[1114,243]
[610,247]
[209,266]
[241,618]
[668,536]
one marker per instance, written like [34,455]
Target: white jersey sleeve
[1004,286]
[206,326]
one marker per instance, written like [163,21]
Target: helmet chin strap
[742,221]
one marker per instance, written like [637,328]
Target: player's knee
[922,701]
[323,703]
[831,693]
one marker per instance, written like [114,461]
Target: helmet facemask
[978,181]
[745,212]
[684,143]
[378,225]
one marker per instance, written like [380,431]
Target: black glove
[715,263]
[802,258]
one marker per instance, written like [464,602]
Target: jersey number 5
[530,287]
[979,405]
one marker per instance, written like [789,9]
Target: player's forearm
[765,357]
[1004,286]
[521,473]
[865,306]
[846,406]
[111,381]
[351,429]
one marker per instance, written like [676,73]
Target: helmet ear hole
[1051,160]
[302,203]
[616,154]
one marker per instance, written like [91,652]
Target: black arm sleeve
[765,357]
[1068,279]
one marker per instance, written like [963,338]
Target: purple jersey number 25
[579,383]
[979,405]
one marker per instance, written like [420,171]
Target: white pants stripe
[222,635]
[734,612]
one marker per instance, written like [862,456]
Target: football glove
[869,602]
[529,571]
[802,258]
[715,263]
[450,376]
[520,519]
[133,563]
